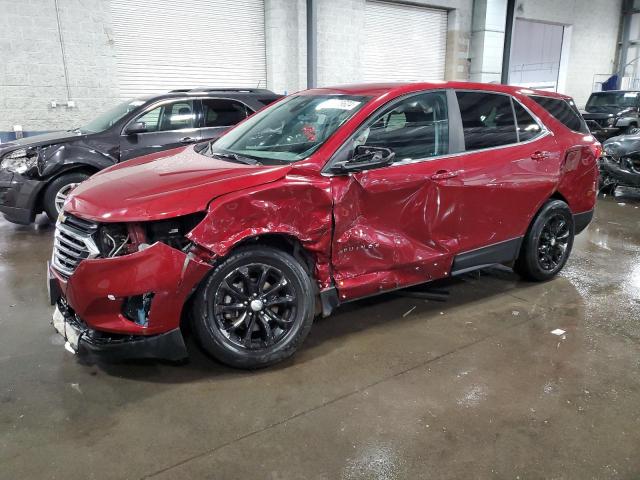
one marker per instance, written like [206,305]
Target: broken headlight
[19,161]
[116,239]
[173,230]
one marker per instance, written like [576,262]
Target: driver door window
[414,128]
[170,116]
[168,126]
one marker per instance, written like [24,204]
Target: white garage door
[163,45]
[404,43]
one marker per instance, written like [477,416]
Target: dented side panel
[394,226]
[97,289]
[298,206]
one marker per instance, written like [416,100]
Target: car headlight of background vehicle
[611,121]
[19,161]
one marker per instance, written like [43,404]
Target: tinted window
[417,127]
[223,113]
[487,120]
[528,128]
[170,116]
[563,111]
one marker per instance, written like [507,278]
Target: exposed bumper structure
[17,197]
[613,172]
[92,302]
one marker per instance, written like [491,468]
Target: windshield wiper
[237,158]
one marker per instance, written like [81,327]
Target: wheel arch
[285,242]
[556,195]
[72,168]
[282,241]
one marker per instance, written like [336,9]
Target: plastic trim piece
[502,252]
[582,220]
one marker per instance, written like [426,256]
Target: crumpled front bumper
[92,299]
[18,196]
[612,172]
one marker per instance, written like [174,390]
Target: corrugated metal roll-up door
[404,42]
[162,45]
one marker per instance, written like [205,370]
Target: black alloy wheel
[255,309]
[547,245]
[553,242]
[254,306]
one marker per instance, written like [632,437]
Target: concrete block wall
[31,67]
[593,39]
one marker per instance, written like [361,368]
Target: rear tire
[57,191]
[548,243]
[255,309]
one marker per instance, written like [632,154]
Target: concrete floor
[474,387]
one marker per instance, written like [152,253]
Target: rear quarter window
[564,111]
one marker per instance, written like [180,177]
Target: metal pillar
[508,35]
[312,44]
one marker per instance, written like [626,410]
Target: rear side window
[487,120]
[528,128]
[563,111]
[223,113]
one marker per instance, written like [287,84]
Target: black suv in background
[614,112]
[37,173]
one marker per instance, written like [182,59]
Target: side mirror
[366,158]
[137,127]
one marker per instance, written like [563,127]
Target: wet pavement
[394,387]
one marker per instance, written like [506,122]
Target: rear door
[510,166]
[170,124]
[398,225]
[220,114]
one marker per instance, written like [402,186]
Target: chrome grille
[73,242]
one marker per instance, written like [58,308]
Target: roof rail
[217,89]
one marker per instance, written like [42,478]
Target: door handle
[444,174]
[187,139]
[539,155]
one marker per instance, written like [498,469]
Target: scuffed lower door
[394,226]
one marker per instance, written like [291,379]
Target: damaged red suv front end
[120,277]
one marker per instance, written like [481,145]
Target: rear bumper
[18,196]
[581,221]
[94,296]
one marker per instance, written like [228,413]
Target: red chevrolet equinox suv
[324,197]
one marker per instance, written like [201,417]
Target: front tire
[548,243]
[57,191]
[255,309]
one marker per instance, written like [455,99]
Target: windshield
[612,99]
[110,117]
[289,130]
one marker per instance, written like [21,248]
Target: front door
[397,225]
[168,125]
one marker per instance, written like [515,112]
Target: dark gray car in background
[38,172]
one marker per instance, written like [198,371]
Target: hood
[164,185]
[622,145]
[597,115]
[40,140]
